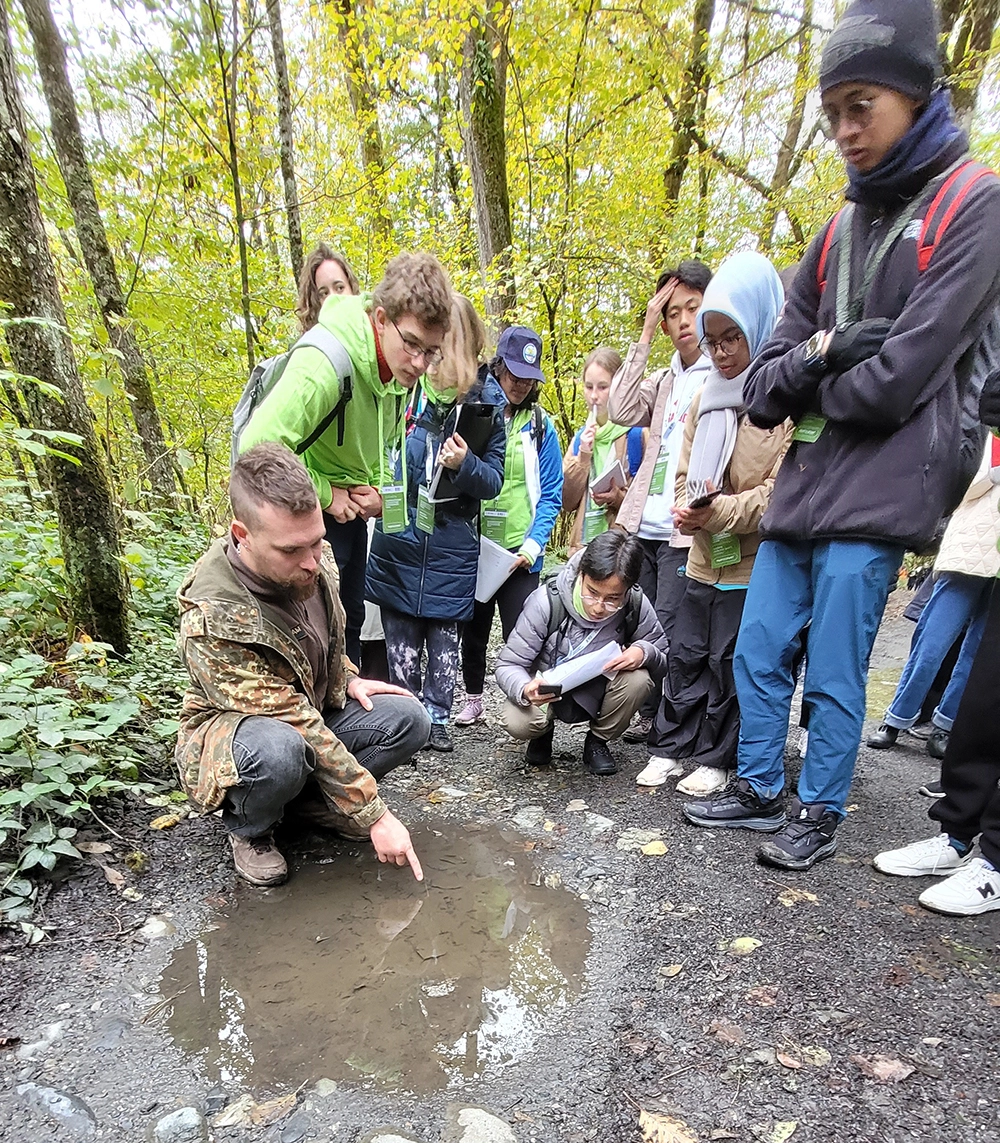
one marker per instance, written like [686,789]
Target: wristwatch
[814,360]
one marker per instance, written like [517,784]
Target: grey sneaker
[808,837]
[258,860]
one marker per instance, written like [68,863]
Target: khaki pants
[625,693]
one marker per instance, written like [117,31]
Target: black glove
[989,402]
[855,342]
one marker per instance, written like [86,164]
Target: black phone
[553,689]
[704,501]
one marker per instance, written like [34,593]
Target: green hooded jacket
[309,388]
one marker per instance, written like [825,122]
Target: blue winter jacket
[434,576]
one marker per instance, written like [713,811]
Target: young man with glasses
[872,360]
[590,604]
[392,337]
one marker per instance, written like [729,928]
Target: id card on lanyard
[395,514]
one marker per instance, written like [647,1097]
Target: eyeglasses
[727,345]
[858,113]
[414,349]
[610,605]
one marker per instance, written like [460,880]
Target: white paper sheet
[495,566]
[575,672]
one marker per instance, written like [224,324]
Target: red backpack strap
[824,254]
[944,206]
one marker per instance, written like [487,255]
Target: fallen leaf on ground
[553,880]
[782,1131]
[789,897]
[765,997]
[529,846]
[897,976]
[637,838]
[168,821]
[884,1069]
[742,946]
[237,1114]
[818,1057]
[115,877]
[670,969]
[993,999]
[787,1061]
[654,849]
[92,846]
[577,806]
[912,911]
[245,1112]
[520,1117]
[664,1129]
[549,826]
[726,1032]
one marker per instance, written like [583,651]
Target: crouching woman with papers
[587,648]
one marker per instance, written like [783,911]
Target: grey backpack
[266,374]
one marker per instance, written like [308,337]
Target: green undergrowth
[78,725]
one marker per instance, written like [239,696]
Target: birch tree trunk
[286,137]
[40,347]
[50,53]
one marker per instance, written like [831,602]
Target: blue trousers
[957,600]
[842,587]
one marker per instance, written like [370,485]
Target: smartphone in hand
[549,690]
[704,501]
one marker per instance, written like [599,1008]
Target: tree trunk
[361,93]
[40,347]
[286,137]
[483,99]
[968,62]
[50,52]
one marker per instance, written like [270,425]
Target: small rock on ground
[68,1109]
[482,1127]
[186,1125]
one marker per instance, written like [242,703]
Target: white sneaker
[935,857]
[657,771]
[703,781]
[973,889]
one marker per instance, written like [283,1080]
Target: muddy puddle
[354,972]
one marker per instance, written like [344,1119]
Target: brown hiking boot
[258,860]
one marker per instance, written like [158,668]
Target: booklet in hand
[474,424]
[615,477]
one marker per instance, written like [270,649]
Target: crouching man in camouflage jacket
[275,716]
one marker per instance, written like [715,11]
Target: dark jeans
[274,761]
[476,632]
[406,636]
[970,772]
[350,549]
[699,716]
[662,581]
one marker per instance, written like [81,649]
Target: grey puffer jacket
[527,651]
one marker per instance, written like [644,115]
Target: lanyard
[400,447]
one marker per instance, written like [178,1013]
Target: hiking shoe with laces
[440,739]
[933,857]
[639,730]
[258,860]
[931,790]
[471,712]
[657,771]
[937,743]
[737,807]
[884,737]
[539,751]
[975,888]
[807,837]
[597,756]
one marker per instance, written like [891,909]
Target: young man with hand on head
[660,403]
[872,360]
[392,337]
[275,716]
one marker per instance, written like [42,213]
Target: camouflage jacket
[243,660]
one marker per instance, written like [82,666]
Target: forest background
[555,156]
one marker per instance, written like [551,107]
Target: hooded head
[888,43]
[747,290]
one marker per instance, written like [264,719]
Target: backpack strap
[633,613]
[634,450]
[832,228]
[557,609]
[944,206]
[327,343]
[537,425]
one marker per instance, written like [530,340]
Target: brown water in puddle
[353,970]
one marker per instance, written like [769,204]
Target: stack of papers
[615,477]
[575,672]
[495,567]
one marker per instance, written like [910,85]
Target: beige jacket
[747,488]
[576,485]
[969,546]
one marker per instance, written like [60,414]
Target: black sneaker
[639,730]
[440,739]
[807,838]
[931,790]
[737,807]
[539,752]
[884,737]
[937,743]
[597,756]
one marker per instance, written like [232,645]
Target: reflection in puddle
[354,970]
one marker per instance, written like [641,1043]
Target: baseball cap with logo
[521,351]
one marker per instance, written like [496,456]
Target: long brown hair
[461,349]
[309,302]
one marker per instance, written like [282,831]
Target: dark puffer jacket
[434,576]
[886,465]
